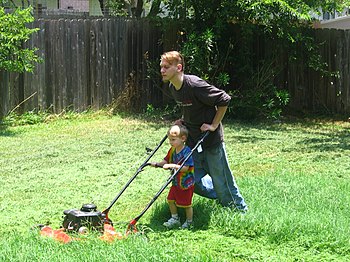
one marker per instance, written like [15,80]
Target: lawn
[294,175]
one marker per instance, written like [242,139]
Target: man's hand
[207,127]
[220,112]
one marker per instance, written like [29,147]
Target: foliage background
[14,32]
[205,38]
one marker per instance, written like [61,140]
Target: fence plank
[346,73]
[4,92]
[88,63]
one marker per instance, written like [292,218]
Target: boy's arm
[159,164]
[175,166]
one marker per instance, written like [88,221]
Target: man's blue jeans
[213,161]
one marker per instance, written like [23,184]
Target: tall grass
[294,176]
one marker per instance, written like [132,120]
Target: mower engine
[88,216]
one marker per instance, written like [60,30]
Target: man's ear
[179,67]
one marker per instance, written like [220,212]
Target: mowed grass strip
[293,174]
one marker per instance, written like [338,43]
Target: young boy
[181,191]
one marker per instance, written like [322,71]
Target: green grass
[294,176]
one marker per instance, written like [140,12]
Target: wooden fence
[90,62]
[316,93]
[87,63]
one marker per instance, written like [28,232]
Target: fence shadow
[337,141]
[4,131]
[320,139]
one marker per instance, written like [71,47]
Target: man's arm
[220,113]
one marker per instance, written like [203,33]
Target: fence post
[4,91]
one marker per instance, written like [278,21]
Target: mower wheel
[83,230]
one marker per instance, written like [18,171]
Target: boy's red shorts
[182,198]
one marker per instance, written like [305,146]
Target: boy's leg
[174,221]
[184,199]
[189,213]
[172,207]
[189,218]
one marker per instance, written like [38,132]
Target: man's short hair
[174,57]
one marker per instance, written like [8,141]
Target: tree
[11,3]
[13,34]
[212,52]
[132,8]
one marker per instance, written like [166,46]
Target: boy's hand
[155,164]
[169,166]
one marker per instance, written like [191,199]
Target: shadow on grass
[202,211]
[324,141]
[4,131]
[322,136]
[330,141]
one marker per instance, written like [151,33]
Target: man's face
[168,71]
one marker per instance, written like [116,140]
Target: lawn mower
[88,216]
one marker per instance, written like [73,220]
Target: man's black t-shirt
[199,100]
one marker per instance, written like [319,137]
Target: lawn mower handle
[139,170]
[132,224]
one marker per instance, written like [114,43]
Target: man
[204,106]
